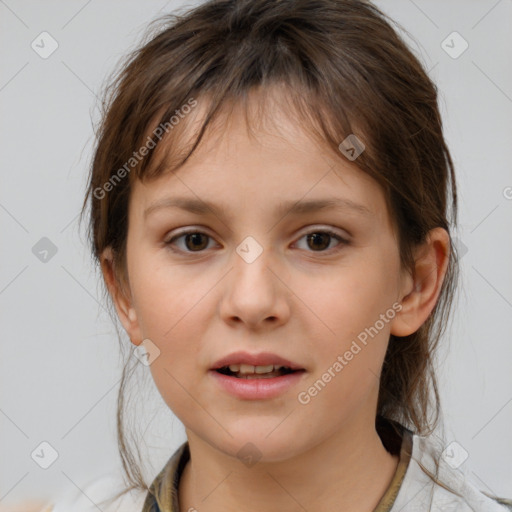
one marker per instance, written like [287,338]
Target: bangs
[175,142]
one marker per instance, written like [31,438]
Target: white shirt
[416,492]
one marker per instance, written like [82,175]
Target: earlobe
[132,316]
[421,288]
[121,299]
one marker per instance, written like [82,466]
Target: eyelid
[325,228]
[187,231]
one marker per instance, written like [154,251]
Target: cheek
[174,309]
[353,308]
[170,308]
[351,297]
[349,354]
[165,296]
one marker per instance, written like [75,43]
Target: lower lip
[257,389]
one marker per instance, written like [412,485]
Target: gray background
[59,367]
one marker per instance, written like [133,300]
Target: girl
[271,201]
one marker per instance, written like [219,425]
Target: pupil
[316,238]
[196,237]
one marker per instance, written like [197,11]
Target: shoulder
[507,503]
[99,494]
[437,476]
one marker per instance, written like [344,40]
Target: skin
[303,301]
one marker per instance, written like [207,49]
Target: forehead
[270,110]
[254,154]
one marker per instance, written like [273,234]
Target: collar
[162,495]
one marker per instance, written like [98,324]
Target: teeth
[264,369]
[250,369]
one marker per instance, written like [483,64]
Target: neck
[351,470]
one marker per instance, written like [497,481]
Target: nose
[255,293]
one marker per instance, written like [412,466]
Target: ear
[421,288]
[122,301]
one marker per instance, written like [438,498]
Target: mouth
[247,371]
[256,383]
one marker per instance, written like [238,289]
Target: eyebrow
[299,207]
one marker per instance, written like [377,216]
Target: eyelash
[342,241]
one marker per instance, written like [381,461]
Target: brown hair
[345,70]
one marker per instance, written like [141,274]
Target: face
[267,271]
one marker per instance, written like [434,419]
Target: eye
[194,241]
[320,240]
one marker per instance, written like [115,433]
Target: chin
[259,446]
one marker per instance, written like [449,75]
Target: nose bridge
[253,293]
[251,273]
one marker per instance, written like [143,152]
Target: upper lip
[261,359]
